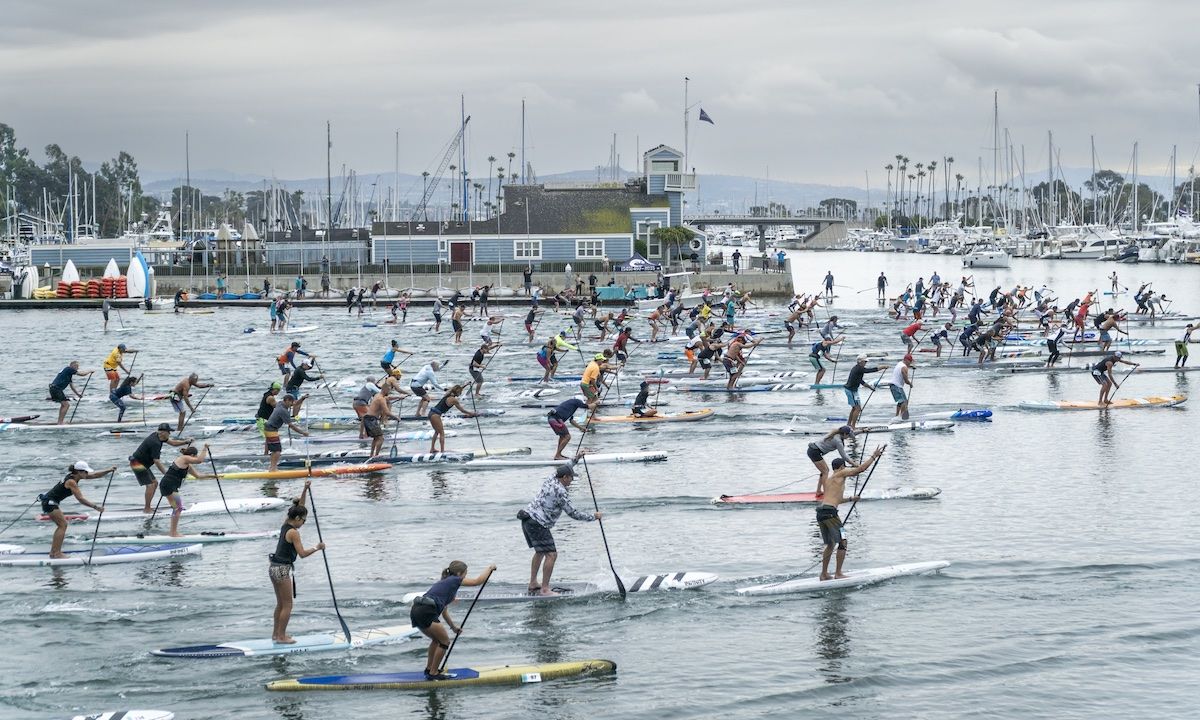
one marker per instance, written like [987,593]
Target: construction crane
[436,178]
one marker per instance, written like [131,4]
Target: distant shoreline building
[547,226]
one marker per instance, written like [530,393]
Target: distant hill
[724,193]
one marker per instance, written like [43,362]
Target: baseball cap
[846,430]
[164,427]
[1118,354]
[564,470]
[598,356]
[82,466]
[862,358]
[121,347]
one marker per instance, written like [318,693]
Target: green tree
[674,238]
[838,207]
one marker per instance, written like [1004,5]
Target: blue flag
[705,118]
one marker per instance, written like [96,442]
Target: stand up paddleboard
[129,715]
[1152,401]
[853,579]
[101,556]
[317,642]
[896,493]
[568,591]
[205,538]
[205,507]
[687,416]
[593,459]
[459,677]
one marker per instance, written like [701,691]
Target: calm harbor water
[1072,538]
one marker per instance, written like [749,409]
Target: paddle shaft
[221,490]
[446,657]
[96,533]
[21,515]
[79,399]
[328,574]
[620,585]
[196,407]
[327,388]
[1120,384]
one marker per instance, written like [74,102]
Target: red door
[460,255]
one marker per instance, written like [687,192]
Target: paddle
[858,492]
[327,388]
[79,399]
[325,557]
[195,407]
[217,477]
[446,657]
[100,517]
[396,433]
[603,537]
[475,412]
[22,514]
[143,387]
[1118,387]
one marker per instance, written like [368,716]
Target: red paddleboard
[19,418]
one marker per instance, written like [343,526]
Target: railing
[680,181]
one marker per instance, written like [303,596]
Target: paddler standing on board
[181,396]
[1102,373]
[283,562]
[589,383]
[436,602]
[280,416]
[854,382]
[642,401]
[827,512]
[172,481]
[287,360]
[901,376]
[537,519]
[1181,346]
[67,487]
[564,413]
[63,380]
[113,362]
[378,411]
[425,376]
[833,440]
[149,453]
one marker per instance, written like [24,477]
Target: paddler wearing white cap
[854,382]
[65,488]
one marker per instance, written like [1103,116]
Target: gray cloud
[812,92]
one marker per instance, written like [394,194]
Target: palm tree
[491,162]
[958,180]
[932,187]
[511,155]
[947,162]
[920,183]
[886,207]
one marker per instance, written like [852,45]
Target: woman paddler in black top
[65,488]
[287,550]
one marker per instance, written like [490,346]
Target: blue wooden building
[547,226]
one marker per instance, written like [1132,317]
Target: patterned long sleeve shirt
[552,501]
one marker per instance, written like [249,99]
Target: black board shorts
[538,538]
[424,613]
[57,395]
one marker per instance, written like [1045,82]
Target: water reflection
[832,638]
[172,573]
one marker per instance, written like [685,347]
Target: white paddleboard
[298,330]
[853,579]
[317,642]
[101,556]
[129,715]
[592,459]
[70,273]
[203,538]
[112,270]
[205,507]
[11,549]
[566,591]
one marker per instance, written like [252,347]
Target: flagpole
[685,122]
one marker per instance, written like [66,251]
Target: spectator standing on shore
[781,258]
[737,261]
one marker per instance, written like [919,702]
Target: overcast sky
[807,91]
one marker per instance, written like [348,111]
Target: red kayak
[894,493]
[19,418]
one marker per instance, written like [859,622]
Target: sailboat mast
[995,154]
[686,80]
[1052,210]
[1136,209]
[462,155]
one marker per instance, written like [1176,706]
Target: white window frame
[597,254]
[645,231]
[443,246]
[664,166]
[528,252]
